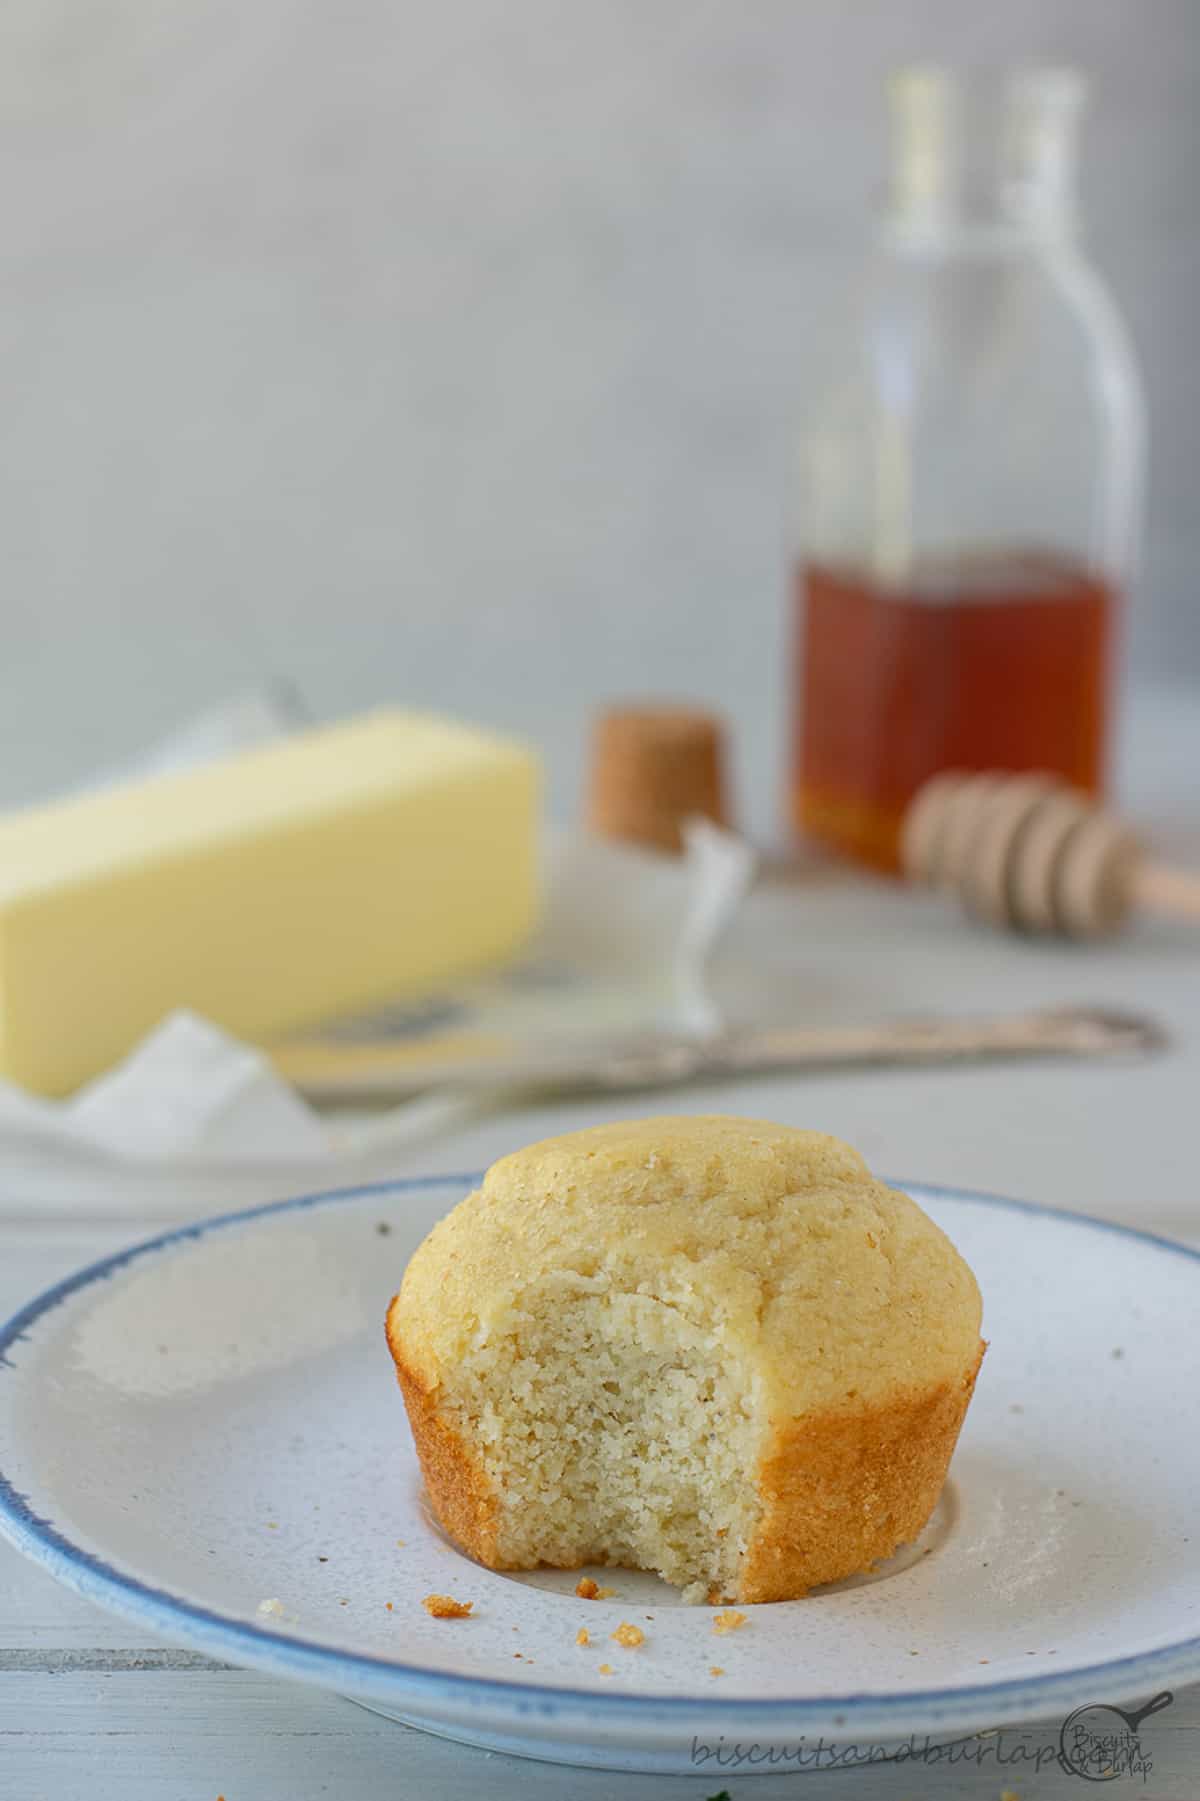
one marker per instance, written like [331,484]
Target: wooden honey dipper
[1027,851]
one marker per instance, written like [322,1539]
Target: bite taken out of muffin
[712,1348]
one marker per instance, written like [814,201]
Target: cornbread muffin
[709,1347]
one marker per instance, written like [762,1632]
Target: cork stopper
[652,768]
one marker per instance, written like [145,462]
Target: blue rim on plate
[354,1673]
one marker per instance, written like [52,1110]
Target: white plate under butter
[210,1421]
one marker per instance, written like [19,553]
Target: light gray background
[449,353]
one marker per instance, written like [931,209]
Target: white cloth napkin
[625,944]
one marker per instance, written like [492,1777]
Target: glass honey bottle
[969,483]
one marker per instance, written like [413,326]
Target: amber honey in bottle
[970,475]
[989,662]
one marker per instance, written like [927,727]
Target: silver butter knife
[332,1070]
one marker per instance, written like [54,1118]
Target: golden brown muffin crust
[843,1491]
[459,1491]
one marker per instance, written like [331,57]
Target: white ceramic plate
[210,1421]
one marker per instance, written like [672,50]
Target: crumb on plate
[583,1637]
[445,1607]
[628,1635]
[714,1669]
[729,1621]
[587,1590]
[274,1605]
[606,1669]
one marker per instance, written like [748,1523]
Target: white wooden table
[91,1711]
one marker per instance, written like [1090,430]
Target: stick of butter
[338,869]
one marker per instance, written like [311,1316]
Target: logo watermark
[1099,1743]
